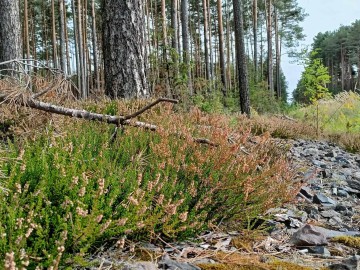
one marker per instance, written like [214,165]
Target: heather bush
[68,188]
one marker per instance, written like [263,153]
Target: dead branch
[147,107]
[110,119]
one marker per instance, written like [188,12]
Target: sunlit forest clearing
[124,122]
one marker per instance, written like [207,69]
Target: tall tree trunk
[206,40]
[95,49]
[10,32]
[269,42]
[358,70]
[124,49]
[26,30]
[278,56]
[241,58]
[185,39]
[67,43]
[165,45]
[86,59]
[342,56]
[255,26]
[221,47]
[62,37]
[77,49]
[228,47]
[81,72]
[210,42]
[54,43]
[174,40]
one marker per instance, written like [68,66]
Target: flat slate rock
[352,263]
[308,235]
[320,198]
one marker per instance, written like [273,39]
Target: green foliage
[262,101]
[313,80]
[68,190]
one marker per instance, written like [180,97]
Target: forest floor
[97,183]
[320,230]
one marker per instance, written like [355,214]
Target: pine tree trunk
[26,30]
[62,37]
[54,42]
[241,58]
[124,49]
[67,44]
[95,49]
[81,72]
[255,26]
[174,40]
[77,49]
[221,47]
[206,40]
[10,32]
[269,42]
[185,39]
[277,50]
[165,45]
[228,48]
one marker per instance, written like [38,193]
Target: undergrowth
[66,188]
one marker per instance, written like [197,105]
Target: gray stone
[307,192]
[141,266]
[308,236]
[341,207]
[174,265]
[331,154]
[356,176]
[331,233]
[319,163]
[335,221]
[355,184]
[338,176]
[352,263]
[311,152]
[329,213]
[322,199]
[321,250]
[342,193]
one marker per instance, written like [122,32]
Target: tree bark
[62,37]
[26,30]
[269,42]
[221,47]
[278,57]
[255,26]
[95,49]
[241,58]
[206,41]
[81,72]
[185,39]
[124,49]
[54,42]
[174,40]
[10,32]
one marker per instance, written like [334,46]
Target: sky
[323,15]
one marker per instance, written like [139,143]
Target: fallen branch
[110,119]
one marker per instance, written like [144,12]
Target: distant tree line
[339,52]
[174,48]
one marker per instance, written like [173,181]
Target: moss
[213,266]
[286,266]
[350,241]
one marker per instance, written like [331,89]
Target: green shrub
[69,189]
